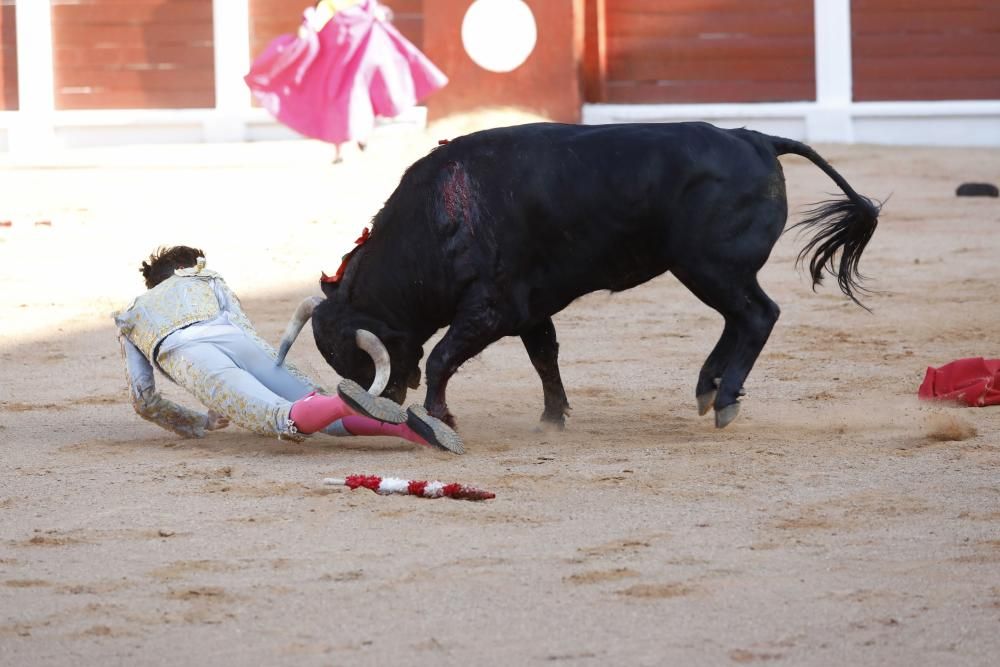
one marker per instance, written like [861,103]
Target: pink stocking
[316,411]
[358,425]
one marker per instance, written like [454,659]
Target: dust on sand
[949,428]
[837,521]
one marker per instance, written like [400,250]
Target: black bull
[495,232]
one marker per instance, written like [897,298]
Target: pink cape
[975,382]
[332,84]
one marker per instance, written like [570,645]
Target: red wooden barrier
[661,51]
[8,59]
[133,54]
[923,50]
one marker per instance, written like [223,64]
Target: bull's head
[358,347]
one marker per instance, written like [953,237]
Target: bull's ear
[328,288]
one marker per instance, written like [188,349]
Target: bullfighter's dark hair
[165,261]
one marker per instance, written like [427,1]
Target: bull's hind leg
[753,315]
[543,349]
[750,316]
[711,371]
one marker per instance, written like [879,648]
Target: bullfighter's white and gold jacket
[188,297]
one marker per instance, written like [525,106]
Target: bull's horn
[370,343]
[299,319]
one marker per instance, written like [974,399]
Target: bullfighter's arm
[230,304]
[149,405]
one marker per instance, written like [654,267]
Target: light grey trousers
[229,372]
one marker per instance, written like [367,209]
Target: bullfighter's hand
[214,421]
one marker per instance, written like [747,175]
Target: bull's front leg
[471,331]
[543,350]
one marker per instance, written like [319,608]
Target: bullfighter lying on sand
[190,325]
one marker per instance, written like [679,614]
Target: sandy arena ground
[837,522]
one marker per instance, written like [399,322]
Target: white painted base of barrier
[21,135]
[959,123]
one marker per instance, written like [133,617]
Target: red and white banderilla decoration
[385,486]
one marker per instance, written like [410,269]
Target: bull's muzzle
[365,340]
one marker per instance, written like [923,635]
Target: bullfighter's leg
[474,327]
[214,370]
[421,429]
[543,349]
[210,373]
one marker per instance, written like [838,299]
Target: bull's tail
[843,225]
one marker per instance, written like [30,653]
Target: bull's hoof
[445,416]
[549,425]
[441,411]
[705,402]
[395,393]
[554,420]
[726,415]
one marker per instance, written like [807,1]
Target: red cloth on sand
[974,381]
